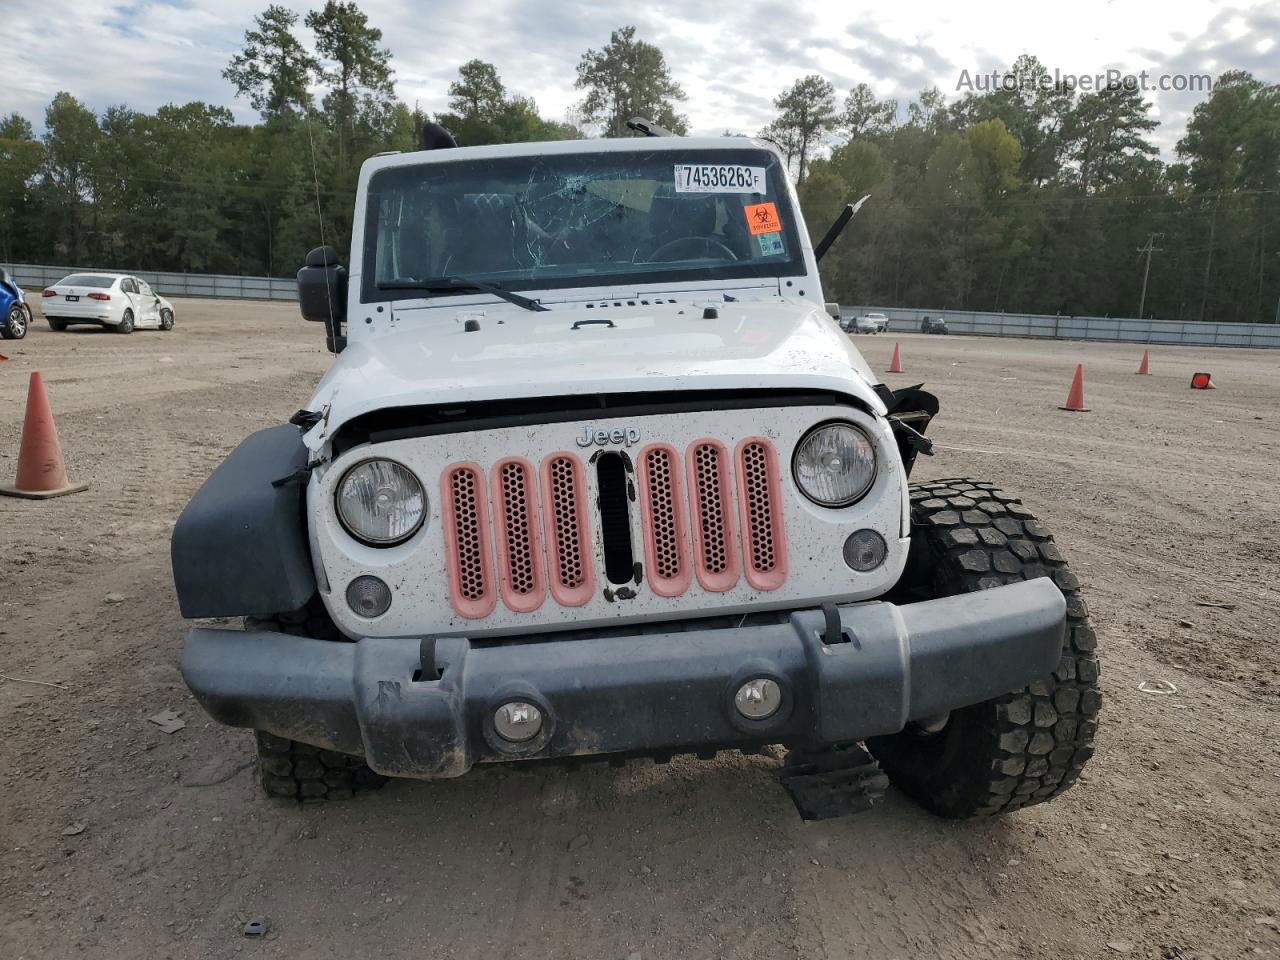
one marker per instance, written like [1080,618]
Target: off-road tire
[126,323]
[298,771]
[1024,747]
[56,325]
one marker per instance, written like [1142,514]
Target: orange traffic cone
[1075,399]
[1202,381]
[41,472]
[895,365]
[1144,367]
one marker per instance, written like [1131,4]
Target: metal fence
[1082,328]
[38,276]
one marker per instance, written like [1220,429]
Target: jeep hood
[427,359]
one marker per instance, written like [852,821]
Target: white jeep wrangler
[593,473]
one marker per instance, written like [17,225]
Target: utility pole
[1278,305]
[1208,262]
[1149,249]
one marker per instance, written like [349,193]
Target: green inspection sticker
[770,243]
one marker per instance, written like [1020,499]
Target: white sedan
[116,301]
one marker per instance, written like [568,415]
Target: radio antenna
[315,177]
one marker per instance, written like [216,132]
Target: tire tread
[1037,739]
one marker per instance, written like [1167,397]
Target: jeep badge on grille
[603,438]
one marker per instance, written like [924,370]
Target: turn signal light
[99,296]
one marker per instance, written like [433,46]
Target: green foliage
[71,143]
[1030,197]
[274,69]
[865,116]
[628,78]
[806,113]
[1036,197]
[359,76]
[21,156]
[481,112]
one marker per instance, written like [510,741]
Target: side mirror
[322,295]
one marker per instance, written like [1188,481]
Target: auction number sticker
[718,178]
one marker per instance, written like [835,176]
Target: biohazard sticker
[762,218]
[770,244]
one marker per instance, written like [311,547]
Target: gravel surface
[121,840]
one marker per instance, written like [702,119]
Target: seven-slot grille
[691,510]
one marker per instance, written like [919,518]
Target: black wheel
[166,319]
[1026,746]
[298,771]
[56,325]
[126,323]
[15,327]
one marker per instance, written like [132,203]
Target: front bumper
[647,693]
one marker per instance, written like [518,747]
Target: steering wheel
[663,253]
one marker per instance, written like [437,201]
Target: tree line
[1031,197]
[1038,198]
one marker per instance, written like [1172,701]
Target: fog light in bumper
[368,597]
[864,550]
[517,721]
[758,699]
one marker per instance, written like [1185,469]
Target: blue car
[15,315]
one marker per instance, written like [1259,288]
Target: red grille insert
[519,541]
[466,535]
[711,502]
[760,509]
[564,510]
[664,521]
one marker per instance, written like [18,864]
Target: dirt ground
[118,840]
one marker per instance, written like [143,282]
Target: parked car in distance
[934,325]
[114,301]
[869,323]
[15,315]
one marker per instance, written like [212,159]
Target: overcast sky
[731,58]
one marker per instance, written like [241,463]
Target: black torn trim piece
[306,419]
[298,477]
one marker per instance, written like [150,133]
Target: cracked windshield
[579,220]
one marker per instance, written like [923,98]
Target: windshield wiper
[440,284]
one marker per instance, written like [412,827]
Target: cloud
[732,60]
[1229,42]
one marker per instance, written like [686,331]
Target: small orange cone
[41,472]
[1144,368]
[1075,399]
[895,365]
[1202,381]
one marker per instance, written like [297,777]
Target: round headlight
[381,502]
[834,464]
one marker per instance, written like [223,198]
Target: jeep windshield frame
[573,220]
